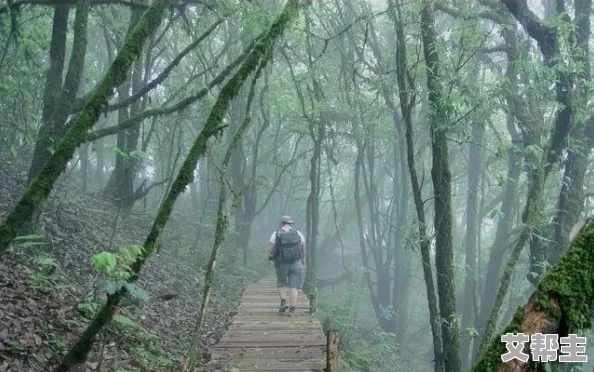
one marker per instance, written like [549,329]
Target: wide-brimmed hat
[287,219]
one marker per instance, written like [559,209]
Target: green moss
[571,282]
[492,355]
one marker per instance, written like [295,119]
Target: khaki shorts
[290,274]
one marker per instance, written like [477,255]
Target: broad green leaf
[136,292]
[124,320]
[104,261]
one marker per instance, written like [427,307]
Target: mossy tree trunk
[407,97]
[52,130]
[562,304]
[184,103]
[51,95]
[40,188]
[79,351]
[441,176]
[238,163]
[193,354]
[571,197]
[121,182]
[550,41]
[317,132]
[249,208]
[547,37]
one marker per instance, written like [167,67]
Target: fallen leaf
[93,365]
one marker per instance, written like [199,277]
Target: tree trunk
[313,207]
[51,95]
[501,242]
[121,186]
[53,130]
[547,38]
[471,238]
[424,244]
[191,357]
[571,197]
[401,285]
[440,174]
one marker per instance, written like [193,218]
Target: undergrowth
[346,309]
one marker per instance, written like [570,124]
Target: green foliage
[89,307]
[28,241]
[116,271]
[125,321]
[46,262]
[104,261]
[363,350]
[496,213]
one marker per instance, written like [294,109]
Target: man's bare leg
[282,293]
[294,296]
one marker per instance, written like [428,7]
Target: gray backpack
[288,246]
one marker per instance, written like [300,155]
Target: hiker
[287,250]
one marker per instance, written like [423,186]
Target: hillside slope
[48,287]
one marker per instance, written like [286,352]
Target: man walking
[287,249]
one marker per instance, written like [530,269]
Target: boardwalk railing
[261,339]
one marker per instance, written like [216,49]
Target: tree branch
[143,4]
[93,136]
[156,81]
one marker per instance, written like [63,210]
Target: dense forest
[436,154]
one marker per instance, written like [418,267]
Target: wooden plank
[267,300]
[265,344]
[294,340]
[259,318]
[270,332]
[273,368]
[272,303]
[301,338]
[279,328]
[281,365]
[233,354]
[267,353]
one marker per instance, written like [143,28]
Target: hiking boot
[291,311]
[283,306]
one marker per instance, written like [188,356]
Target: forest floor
[48,291]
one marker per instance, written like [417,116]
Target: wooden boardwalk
[261,339]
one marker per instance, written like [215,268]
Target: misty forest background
[436,154]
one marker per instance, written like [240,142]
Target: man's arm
[271,249]
[304,251]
